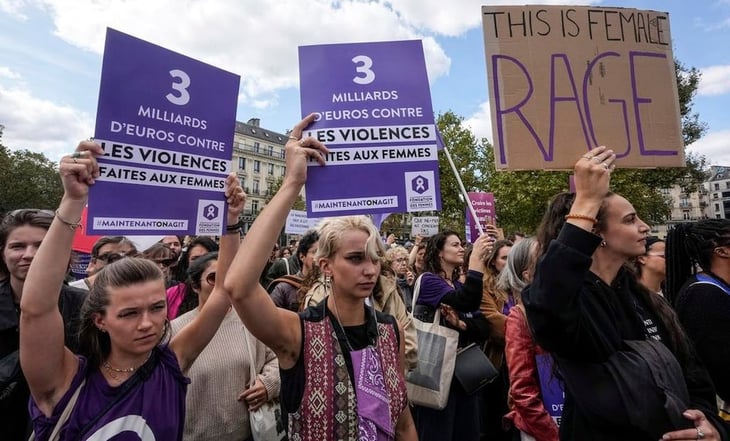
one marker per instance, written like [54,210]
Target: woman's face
[353,272]
[500,261]
[400,264]
[624,232]
[419,257]
[653,261]
[308,259]
[195,252]
[453,252]
[207,279]
[135,317]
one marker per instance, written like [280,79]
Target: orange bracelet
[581,217]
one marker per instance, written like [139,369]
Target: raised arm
[193,338]
[277,328]
[47,364]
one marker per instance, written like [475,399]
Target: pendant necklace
[115,372]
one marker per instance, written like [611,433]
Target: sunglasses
[111,257]
[210,278]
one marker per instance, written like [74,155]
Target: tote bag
[430,383]
[266,421]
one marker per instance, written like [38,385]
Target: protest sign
[166,124]
[297,222]
[563,80]
[483,204]
[373,111]
[426,226]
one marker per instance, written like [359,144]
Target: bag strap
[64,415]
[251,355]
[416,291]
[292,280]
[143,373]
[286,262]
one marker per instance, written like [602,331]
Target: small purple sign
[483,204]
[551,389]
[374,112]
[166,124]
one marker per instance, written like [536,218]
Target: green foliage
[30,180]
[275,186]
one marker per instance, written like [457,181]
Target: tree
[30,180]
[274,187]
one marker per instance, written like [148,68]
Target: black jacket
[14,417]
[580,319]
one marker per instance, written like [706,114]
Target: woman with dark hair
[286,291]
[459,304]
[628,367]
[702,299]
[128,375]
[181,298]
[221,393]
[651,267]
[164,257]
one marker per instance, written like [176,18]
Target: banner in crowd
[483,204]
[297,222]
[426,226]
[565,79]
[373,111]
[166,124]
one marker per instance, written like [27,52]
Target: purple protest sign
[551,390]
[374,112]
[483,204]
[166,124]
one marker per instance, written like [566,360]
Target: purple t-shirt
[434,288]
[152,410]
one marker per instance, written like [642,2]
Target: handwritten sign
[166,124]
[563,80]
[297,222]
[426,226]
[374,112]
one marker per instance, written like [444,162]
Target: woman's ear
[99,321]
[324,266]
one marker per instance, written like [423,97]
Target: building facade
[258,159]
[718,188]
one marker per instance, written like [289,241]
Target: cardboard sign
[166,124]
[374,113]
[426,226]
[483,204]
[563,80]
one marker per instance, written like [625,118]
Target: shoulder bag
[266,421]
[429,383]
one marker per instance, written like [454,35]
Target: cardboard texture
[563,80]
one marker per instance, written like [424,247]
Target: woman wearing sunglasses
[221,394]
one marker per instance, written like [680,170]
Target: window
[717,207]
[256,147]
[271,169]
[685,215]
[727,185]
[255,206]
[283,170]
[255,186]
[257,166]
[270,150]
[665,191]
[242,163]
[717,185]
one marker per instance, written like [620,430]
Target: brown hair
[94,344]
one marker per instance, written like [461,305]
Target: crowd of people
[597,330]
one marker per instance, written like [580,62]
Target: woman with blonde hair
[342,361]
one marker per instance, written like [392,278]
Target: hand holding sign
[235,197]
[297,152]
[80,170]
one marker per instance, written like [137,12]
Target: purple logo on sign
[419,184]
[210,212]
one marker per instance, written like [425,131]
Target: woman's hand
[80,170]
[593,174]
[255,396]
[300,151]
[236,198]
[452,317]
[703,429]
[479,252]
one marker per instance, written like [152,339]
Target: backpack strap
[291,279]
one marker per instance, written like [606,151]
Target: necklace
[337,320]
[113,371]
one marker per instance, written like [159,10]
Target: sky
[51,53]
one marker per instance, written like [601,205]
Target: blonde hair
[332,229]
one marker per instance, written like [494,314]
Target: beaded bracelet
[581,217]
[72,225]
